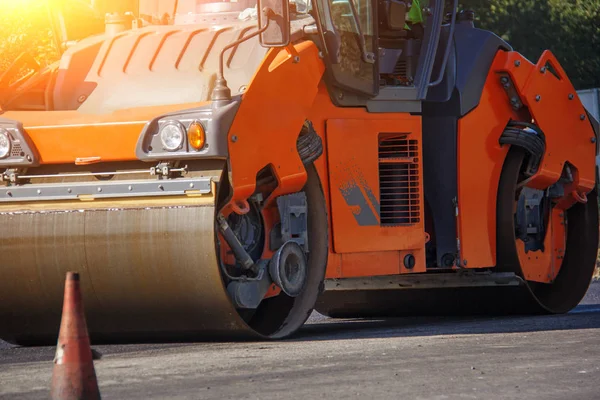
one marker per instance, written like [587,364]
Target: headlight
[172,135]
[196,135]
[5,144]
[191,134]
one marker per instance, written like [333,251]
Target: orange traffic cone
[73,376]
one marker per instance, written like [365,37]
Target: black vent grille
[401,68]
[16,150]
[399,188]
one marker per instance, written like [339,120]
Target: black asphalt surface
[543,357]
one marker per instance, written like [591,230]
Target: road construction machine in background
[222,169]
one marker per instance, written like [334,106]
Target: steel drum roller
[149,265]
[143,269]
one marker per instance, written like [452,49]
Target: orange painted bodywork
[352,134]
[543,266]
[273,137]
[563,119]
[480,159]
[63,137]
[568,139]
[480,156]
[284,93]
[266,128]
[378,263]
[270,117]
[353,160]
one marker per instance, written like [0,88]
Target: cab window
[353,20]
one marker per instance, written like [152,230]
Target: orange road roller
[219,170]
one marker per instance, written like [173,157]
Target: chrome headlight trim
[22,152]
[215,121]
[5,143]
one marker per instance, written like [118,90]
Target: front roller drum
[149,271]
[145,272]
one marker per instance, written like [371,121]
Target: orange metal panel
[544,266]
[357,264]
[556,109]
[363,264]
[355,190]
[317,116]
[65,136]
[480,159]
[334,261]
[380,263]
[269,120]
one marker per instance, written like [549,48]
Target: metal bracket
[511,91]
[97,190]
[529,218]
[166,170]
[457,260]
[293,213]
[11,175]
[248,294]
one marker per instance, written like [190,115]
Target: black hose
[309,144]
[529,125]
[528,137]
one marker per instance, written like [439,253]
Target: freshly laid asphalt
[542,357]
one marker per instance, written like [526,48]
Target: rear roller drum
[553,250]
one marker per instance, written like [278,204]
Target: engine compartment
[158,59]
[151,66]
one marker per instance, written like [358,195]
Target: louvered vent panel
[399,189]
[401,68]
[16,150]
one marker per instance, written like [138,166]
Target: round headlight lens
[4,143]
[172,135]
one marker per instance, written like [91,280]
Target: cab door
[348,30]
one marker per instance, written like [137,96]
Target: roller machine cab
[220,170]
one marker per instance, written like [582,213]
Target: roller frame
[104,190]
[149,249]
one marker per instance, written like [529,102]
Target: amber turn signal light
[196,135]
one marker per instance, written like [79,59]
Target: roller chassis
[279,215]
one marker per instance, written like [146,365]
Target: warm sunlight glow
[25,28]
[30,6]
[15,4]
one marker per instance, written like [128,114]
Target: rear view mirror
[274,18]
